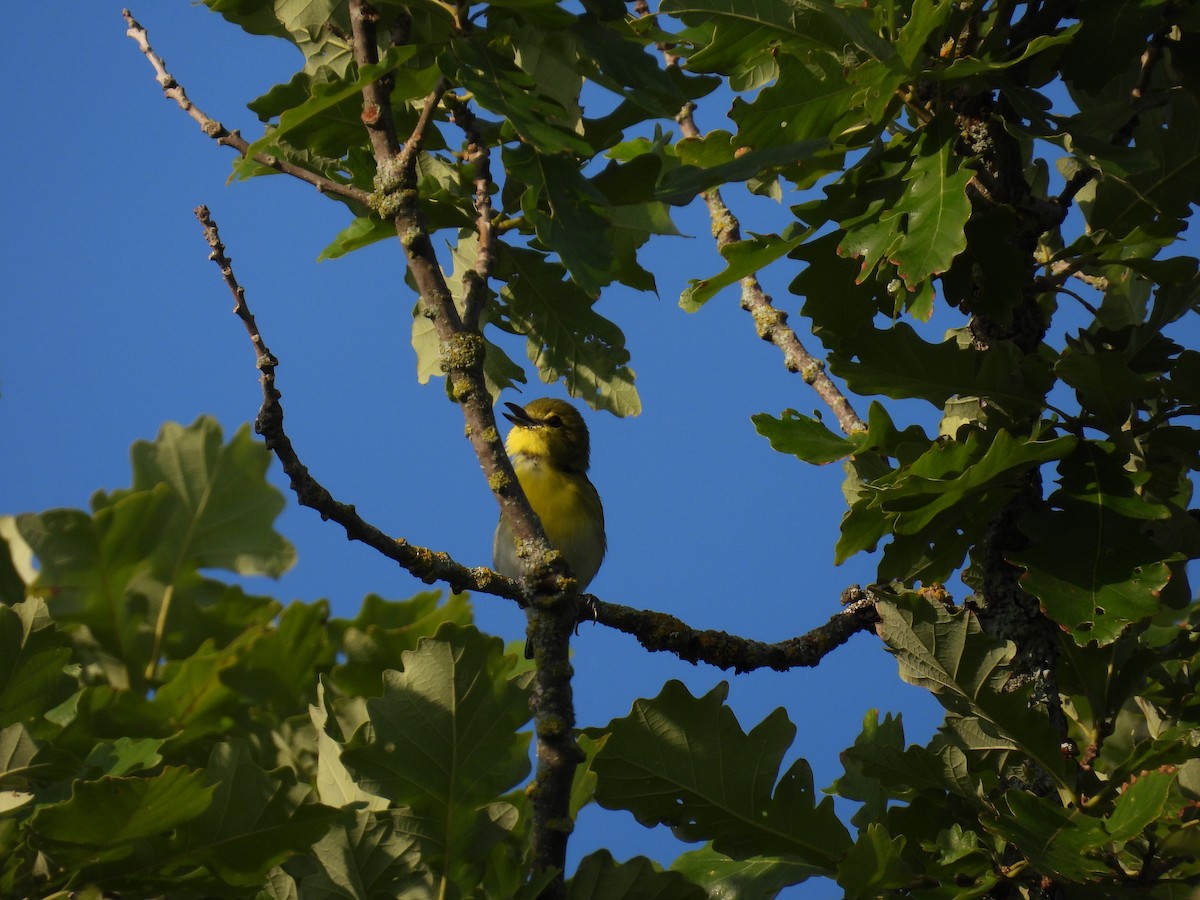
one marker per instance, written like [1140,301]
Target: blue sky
[115,322]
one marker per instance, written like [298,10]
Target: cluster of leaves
[254,749]
[270,751]
[164,733]
[569,234]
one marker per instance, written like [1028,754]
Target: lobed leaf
[685,762]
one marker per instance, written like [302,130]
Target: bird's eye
[554,421]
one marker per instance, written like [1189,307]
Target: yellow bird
[550,451]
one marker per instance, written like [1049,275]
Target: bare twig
[428,565]
[478,155]
[412,146]
[173,90]
[659,632]
[1063,269]
[769,322]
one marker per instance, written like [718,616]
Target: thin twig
[412,146]
[173,90]
[1063,269]
[478,154]
[428,565]
[769,322]
[662,633]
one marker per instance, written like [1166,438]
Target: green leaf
[367,855]
[611,55]
[1140,805]
[1093,570]
[953,474]
[194,699]
[339,102]
[808,100]
[95,569]
[600,877]
[686,762]
[744,258]
[876,737]
[372,641]
[320,29]
[940,768]
[682,184]
[935,504]
[898,363]
[455,701]
[124,756]
[1105,383]
[838,303]
[334,784]
[567,212]
[566,338]
[105,819]
[253,16]
[501,87]
[33,657]
[874,864]
[277,667]
[222,507]
[1057,841]
[805,438]
[633,225]
[1170,181]
[1095,473]
[361,232]
[443,741]
[16,562]
[257,818]
[737,24]
[969,66]
[947,653]
[929,221]
[756,876]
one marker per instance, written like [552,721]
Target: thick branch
[173,90]
[769,322]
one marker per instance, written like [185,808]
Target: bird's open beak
[518,416]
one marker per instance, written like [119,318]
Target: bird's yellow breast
[570,510]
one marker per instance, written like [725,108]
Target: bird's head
[550,429]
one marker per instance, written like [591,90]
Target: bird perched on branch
[550,448]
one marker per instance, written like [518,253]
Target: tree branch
[769,322]
[478,155]
[662,633]
[553,598]
[173,90]
[428,565]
